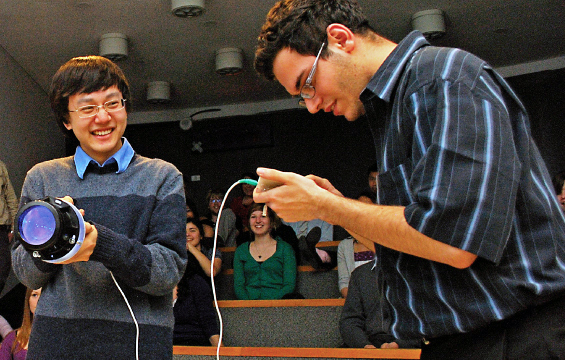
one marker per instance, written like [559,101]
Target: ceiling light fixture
[114,46]
[431,23]
[229,61]
[159,92]
[187,8]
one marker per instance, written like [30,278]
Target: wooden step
[282,323]
[209,352]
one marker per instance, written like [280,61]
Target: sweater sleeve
[289,269]
[238,272]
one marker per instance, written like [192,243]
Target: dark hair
[192,206]
[196,223]
[558,180]
[301,26]
[84,75]
[273,217]
[250,175]
[373,168]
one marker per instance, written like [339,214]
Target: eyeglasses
[308,91]
[215,201]
[91,110]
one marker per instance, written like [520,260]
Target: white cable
[132,316]
[212,269]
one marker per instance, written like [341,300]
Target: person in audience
[264,268]
[191,209]
[310,233]
[5,327]
[8,210]
[366,314]
[202,253]
[196,321]
[350,255]
[14,345]
[559,185]
[227,230]
[370,194]
[240,206]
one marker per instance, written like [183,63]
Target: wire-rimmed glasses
[91,110]
[308,91]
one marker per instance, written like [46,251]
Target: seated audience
[350,255]
[191,209]
[309,233]
[5,327]
[227,231]
[240,206]
[196,320]
[202,253]
[14,345]
[264,268]
[366,315]
[370,194]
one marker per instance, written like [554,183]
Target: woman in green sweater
[265,267]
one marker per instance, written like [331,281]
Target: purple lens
[37,225]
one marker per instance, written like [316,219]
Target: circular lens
[37,225]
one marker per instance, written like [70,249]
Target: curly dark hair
[301,26]
[80,75]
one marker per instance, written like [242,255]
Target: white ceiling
[40,35]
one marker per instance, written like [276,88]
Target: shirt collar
[122,157]
[383,82]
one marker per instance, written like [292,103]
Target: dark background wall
[318,144]
[295,141]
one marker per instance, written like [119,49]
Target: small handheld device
[264,184]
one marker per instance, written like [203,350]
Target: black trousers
[535,333]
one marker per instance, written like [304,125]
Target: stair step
[286,323]
[209,352]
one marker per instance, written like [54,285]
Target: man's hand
[299,198]
[89,243]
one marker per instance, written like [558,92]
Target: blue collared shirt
[455,149]
[122,157]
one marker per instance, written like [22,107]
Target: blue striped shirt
[455,149]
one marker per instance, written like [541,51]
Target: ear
[340,37]
[68,125]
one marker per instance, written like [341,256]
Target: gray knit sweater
[140,218]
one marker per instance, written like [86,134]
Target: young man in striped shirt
[472,239]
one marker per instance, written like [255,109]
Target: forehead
[289,67]
[105,94]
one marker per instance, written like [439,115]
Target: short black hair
[84,75]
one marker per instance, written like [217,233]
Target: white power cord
[132,316]
[242,181]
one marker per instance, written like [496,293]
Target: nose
[102,115]
[313,104]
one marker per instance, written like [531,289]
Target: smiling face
[259,224]
[100,136]
[193,235]
[337,87]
